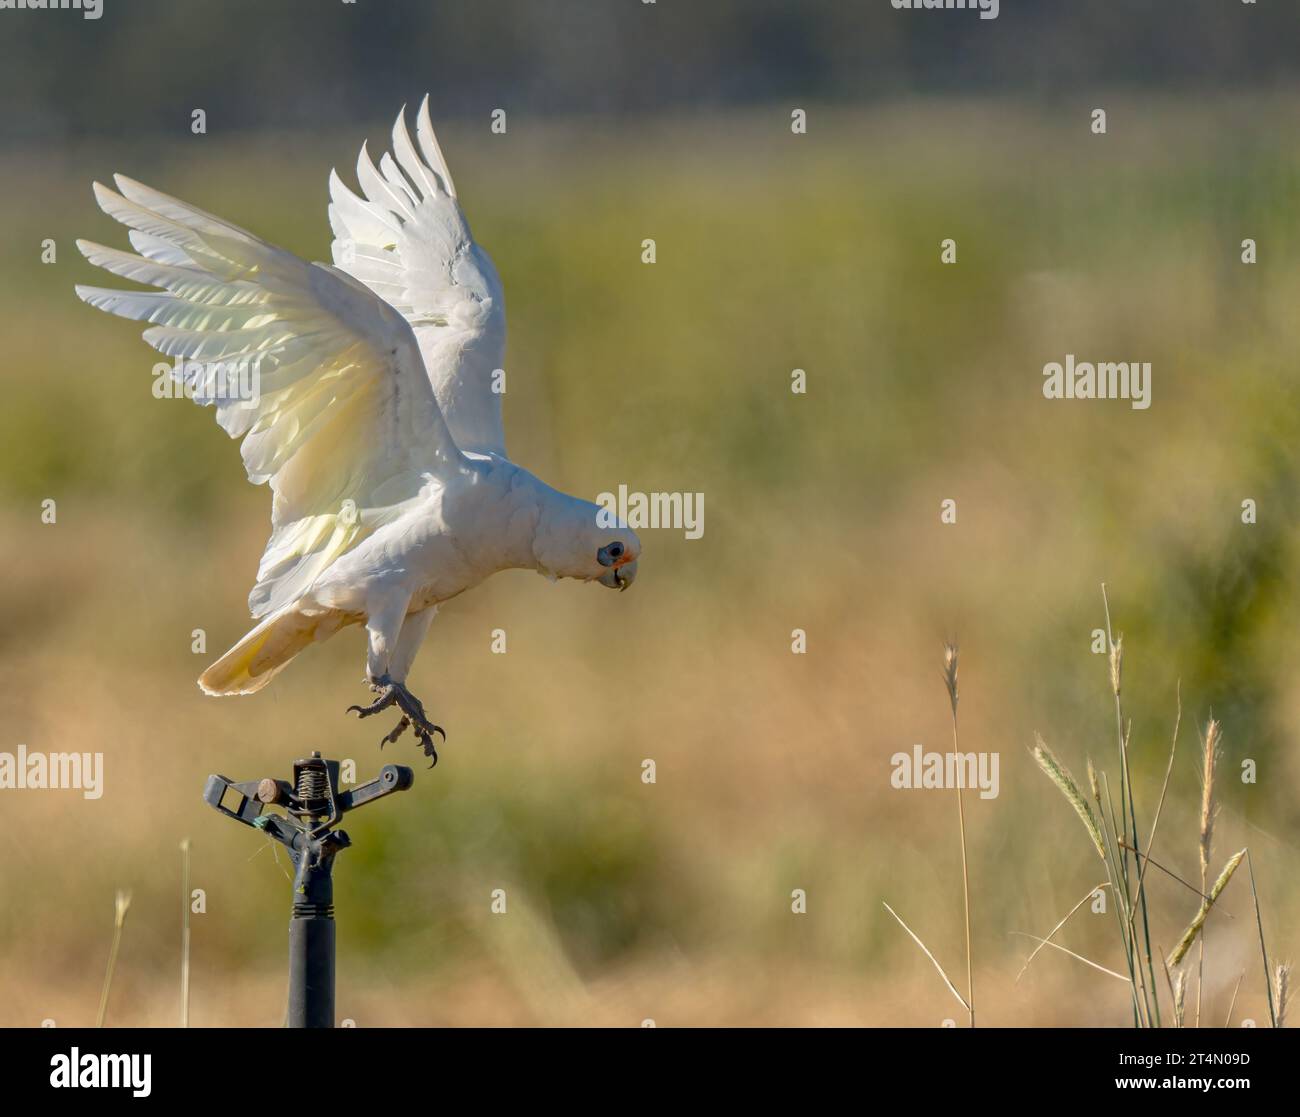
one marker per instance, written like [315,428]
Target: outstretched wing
[322,381]
[408,241]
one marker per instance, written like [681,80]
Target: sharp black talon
[426,740]
[396,732]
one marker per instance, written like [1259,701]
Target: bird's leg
[414,628]
[394,639]
[395,694]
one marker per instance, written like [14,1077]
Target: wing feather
[341,421]
[408,241]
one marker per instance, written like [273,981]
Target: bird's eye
[611,553]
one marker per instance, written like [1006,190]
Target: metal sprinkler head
[314,806]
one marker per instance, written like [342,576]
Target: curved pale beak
[620,577]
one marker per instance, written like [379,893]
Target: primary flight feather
[376,420]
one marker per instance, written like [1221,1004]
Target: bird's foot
[413,715]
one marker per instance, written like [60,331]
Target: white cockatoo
[376,419]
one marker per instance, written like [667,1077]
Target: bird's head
[574,542]
[618,558]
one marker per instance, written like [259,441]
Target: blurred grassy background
[672,901]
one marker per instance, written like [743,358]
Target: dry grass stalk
[185,933]
[1281,992]
[1108,828]
[968,1001]
[926,951]
[1194,928]
[1052,933]
[950,681]
[1072,954]
[1180,998]
[1123,909]
[1233,1003]
[1164,789]
[1174,876]
[1209,761]
[121,905]
[1128,821]
[1259,924]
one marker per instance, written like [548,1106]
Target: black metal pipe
[312,936]
[311,970]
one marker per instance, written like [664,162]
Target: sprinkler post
[314,806]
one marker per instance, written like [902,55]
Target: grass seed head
[950,674]
[1060,775]
[1194,928]
[1210,759]
[121,905]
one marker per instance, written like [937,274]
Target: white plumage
[377,422]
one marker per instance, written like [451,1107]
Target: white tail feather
[265,651]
